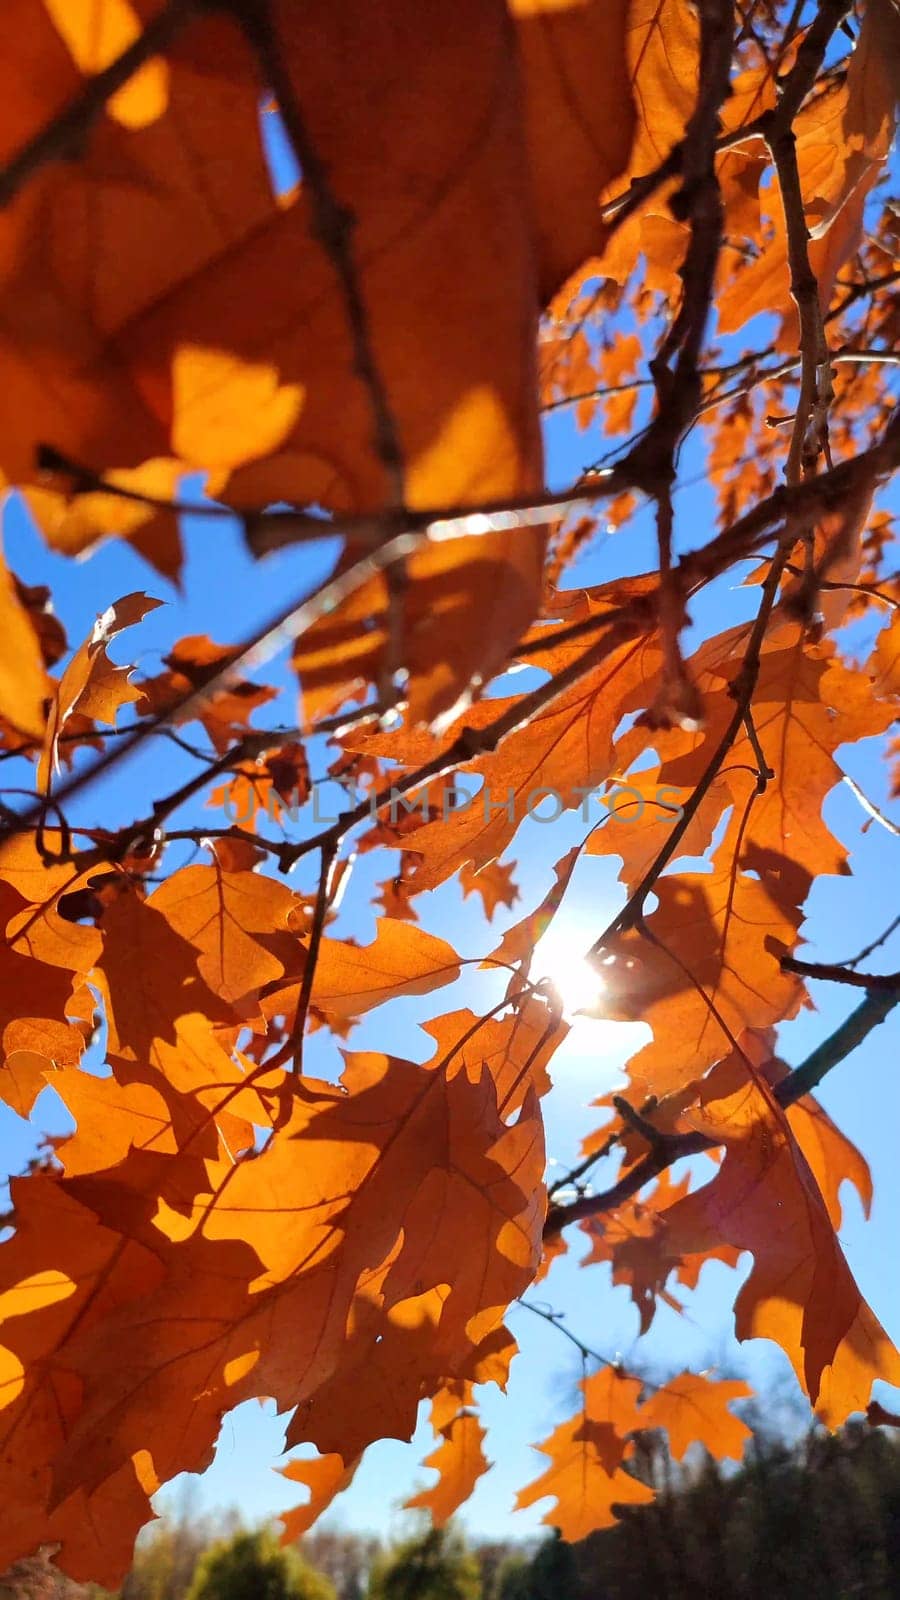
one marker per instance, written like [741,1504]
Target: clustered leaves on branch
[503,207]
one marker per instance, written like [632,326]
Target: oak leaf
[44,1307]
[693,1409]
[190,665]
[459,1461]
[424,1157]
[34,1000]
[586,1475]
[707,968]
[842,139]
[564,751]
[92,686]
[23,681]
[324,1477]
[238,922]
[352,978]
[800,1292]
[493,883]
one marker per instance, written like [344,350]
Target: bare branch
[555,1319]
[293,1049]
[885,981]
[869,806]
[876,944]
[810,433]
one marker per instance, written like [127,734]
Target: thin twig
[810,432]
[742,690]
[860,358]
[861,291]
[699,202]
[63,137]
[869,949]
[888,982]
[332,226]
[555,1319]
[870,807]
[293,1048]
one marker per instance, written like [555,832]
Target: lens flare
[560,959]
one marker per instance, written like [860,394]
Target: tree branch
[873,1010]
[886,982]
[876,944]
[869,806]
[810,432]
[293,1048]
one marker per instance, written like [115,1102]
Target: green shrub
[436,1566]
[252,1566]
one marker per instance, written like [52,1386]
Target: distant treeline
[816,1521]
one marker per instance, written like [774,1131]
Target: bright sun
[560,958]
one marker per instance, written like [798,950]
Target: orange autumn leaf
[112,1119]
[515,1048]
[709,969]
[92,686]
[271,786]
[237,921]
[801,1292]
[586,1476]
[807,703]
[351,978]
[843,139]
[23,682]
[518,942]
[150,979]
[95,35]
[188,377]
[76,522]
[563,752]
[459,1461]
[190,665]
[586,1492]
[387,1369]
[430,1158]
[641,812]
[833,1157]
[630,1239]
[324,1477]
[493,883]
[693,1409]
[34,1001]
[43,1306]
